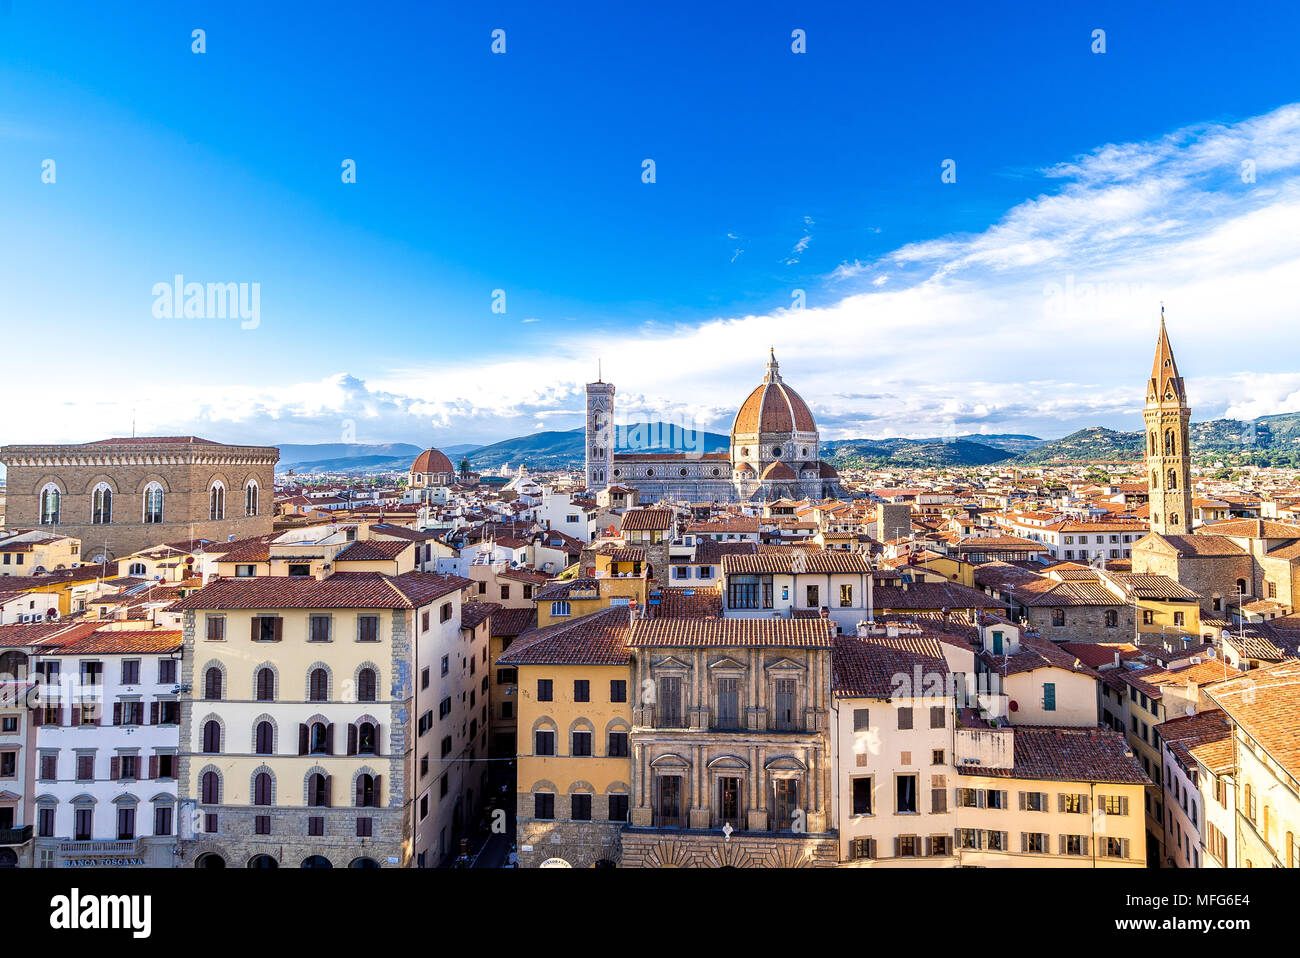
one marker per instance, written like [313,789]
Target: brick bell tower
[599,434]
[1169,470]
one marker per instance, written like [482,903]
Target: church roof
[773,407]
[778,470]
[1165,379]
[431,460]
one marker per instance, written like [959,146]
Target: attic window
[776,451]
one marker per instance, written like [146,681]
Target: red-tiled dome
[778,470]
[431,460]
[773,407]
[827,471]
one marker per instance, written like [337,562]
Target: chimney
[324,571]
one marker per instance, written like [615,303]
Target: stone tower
[1168,445]
[600,434]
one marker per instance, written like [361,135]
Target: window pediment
[670,761]
[784,763]
[726,664]
[671,664]
[785,664]
[728,761]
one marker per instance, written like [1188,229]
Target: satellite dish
[1225,635]
[100,557]
[1190,709]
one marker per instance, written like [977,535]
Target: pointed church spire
[1165,380]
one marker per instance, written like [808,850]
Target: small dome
[827,471]
[778,470]
[746,468]
[432,461]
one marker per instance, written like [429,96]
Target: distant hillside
[1267,441]
[297,456]
[563,450]
[911,453]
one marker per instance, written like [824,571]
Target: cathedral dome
[432,460]
[772,408]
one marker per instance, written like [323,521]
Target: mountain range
[1267,441]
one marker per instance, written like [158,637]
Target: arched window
[217,501]
[265,684]
[367,739]
[250,499]
[136,568]
[1151,443]
[13,666]
[1171,480]
[211,788]
[367,791]
[50,505]
[366,685]
[318,790]
[1112,618]
[1173,519]
[212,737]
[265,744]
[320,743]
[1170,445]
[1155,479]
[262,789]
[101,505]
[320,686]
[153,503]
[212,683]
[1241,587]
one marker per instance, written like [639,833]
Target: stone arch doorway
[263,861]
[317,861]
[363,863]
[210,860]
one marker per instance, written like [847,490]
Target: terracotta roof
[759,633]
[373,550]
[871,666]
[647,520]
[701,603]
[512,622]
[1152,586]
[932,595]
[1152,679]
[786,562]
[725,524]
[778,471]
[596,639]
[122,642]
[474,614]
[1205,737]
[1252,529]
[1263,703]
[1035,654]
[711,552]
[432,461]
[342,590]
[1095,655]
[152,440]
[40,633]
[1198,544]
[1068,755]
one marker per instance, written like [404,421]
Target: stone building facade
[731,757]
[119,496]
[1168,454]
[309,738]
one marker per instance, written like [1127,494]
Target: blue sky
[931,306]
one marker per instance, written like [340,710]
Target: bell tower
[1168,446]
[599,434]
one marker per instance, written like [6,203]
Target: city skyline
[1020,298]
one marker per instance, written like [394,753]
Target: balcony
[16,836]
[100,846]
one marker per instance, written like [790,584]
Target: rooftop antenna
[598,373]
